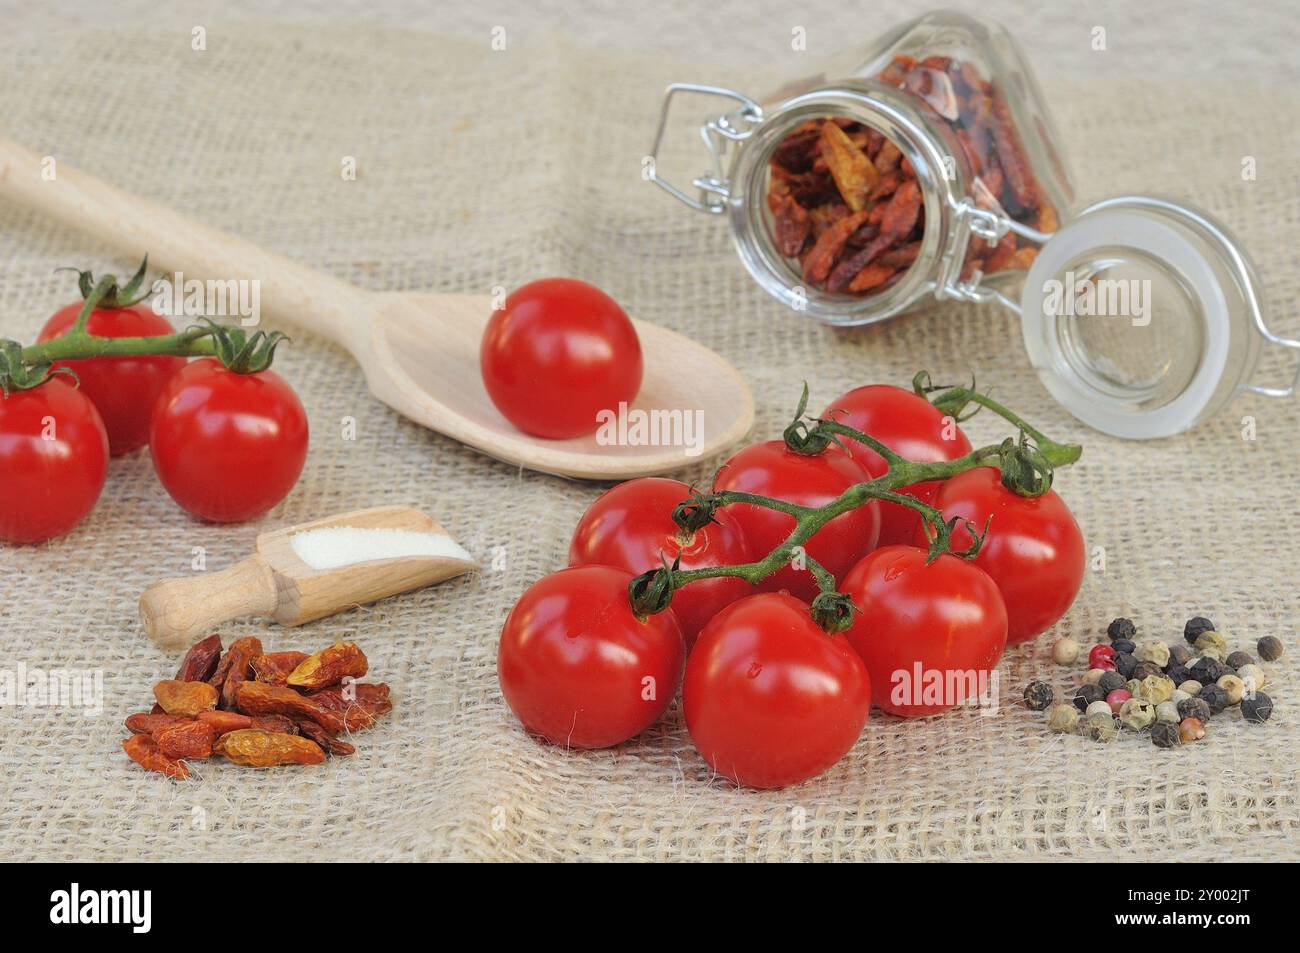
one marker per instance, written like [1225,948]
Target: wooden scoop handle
[133,225]
[176,612]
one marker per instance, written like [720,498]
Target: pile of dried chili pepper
[848,207]
[256,708]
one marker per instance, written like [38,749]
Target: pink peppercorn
[1117,698]
[1101,656]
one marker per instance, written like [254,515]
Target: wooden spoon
[419,352]
[276,582]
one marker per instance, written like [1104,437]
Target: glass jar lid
[1142,316]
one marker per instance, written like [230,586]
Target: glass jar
[927,167]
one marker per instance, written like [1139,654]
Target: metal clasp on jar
[718,135]
[975,222]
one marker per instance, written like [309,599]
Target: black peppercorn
[1238,659]
[1215,697]
[1164,734]
[1178,674]
[1269,648]
[1208,670]
[1194,708]
[1143,669]
[1195,626]
[1179,654]
[1038,695]
[1257,707]
[1111,681]
[1125,663]
[1086,695]
[1121,629]
[1124,645]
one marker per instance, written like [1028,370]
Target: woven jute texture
[479,168]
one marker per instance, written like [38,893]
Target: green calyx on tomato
[111,294]
[240,351]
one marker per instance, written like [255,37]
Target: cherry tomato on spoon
[578,667]
[772,469]
[1034,549]
[631,526]
[53,459]
[909,425]
[771,699]
[946,617]
[560,352]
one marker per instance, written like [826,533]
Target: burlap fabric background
[480,168]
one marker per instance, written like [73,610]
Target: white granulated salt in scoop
[333,547]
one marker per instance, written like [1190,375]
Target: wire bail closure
[718,134]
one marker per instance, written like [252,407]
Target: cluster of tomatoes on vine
[227,435]
[773,691]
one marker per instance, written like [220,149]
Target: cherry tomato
[770,698]
[930,635]
[771,469]
[912,427]
[123,389]
[559,353]
[227,446]
[577,666]
[631,527]
[53,459]
[1034,550]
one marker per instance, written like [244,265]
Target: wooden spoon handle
[290,291]
[176,612]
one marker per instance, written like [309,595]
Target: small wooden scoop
[276,582]
[419,352]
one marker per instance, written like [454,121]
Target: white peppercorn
[1191,687]
[1167,711]
[1179,695]
[1235,688]
[1065,651]
[1093,676]
[1153,650]
[1134,687]
[1062,718]
[1098,708]
[1137,714]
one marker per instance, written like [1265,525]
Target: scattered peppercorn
[1238,659]
[1215,697]
[1179,654]
[1178,673]
[1191,687]
[1164,734]
[1145,669]
[1121,628]
[1269,648]
[1179,696]
[1234,687]
[1194,708]
[1257,707]
[1191,729]
[1065,651]
[1125,662]
[1156,689]
[1110,681]
[1116,699]
[1153,650]
[1086,695]
[1093,676]
[1038,695]
[1195,626]
[1208,670]
[1124,645]
[1062,718]
[1097,708]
